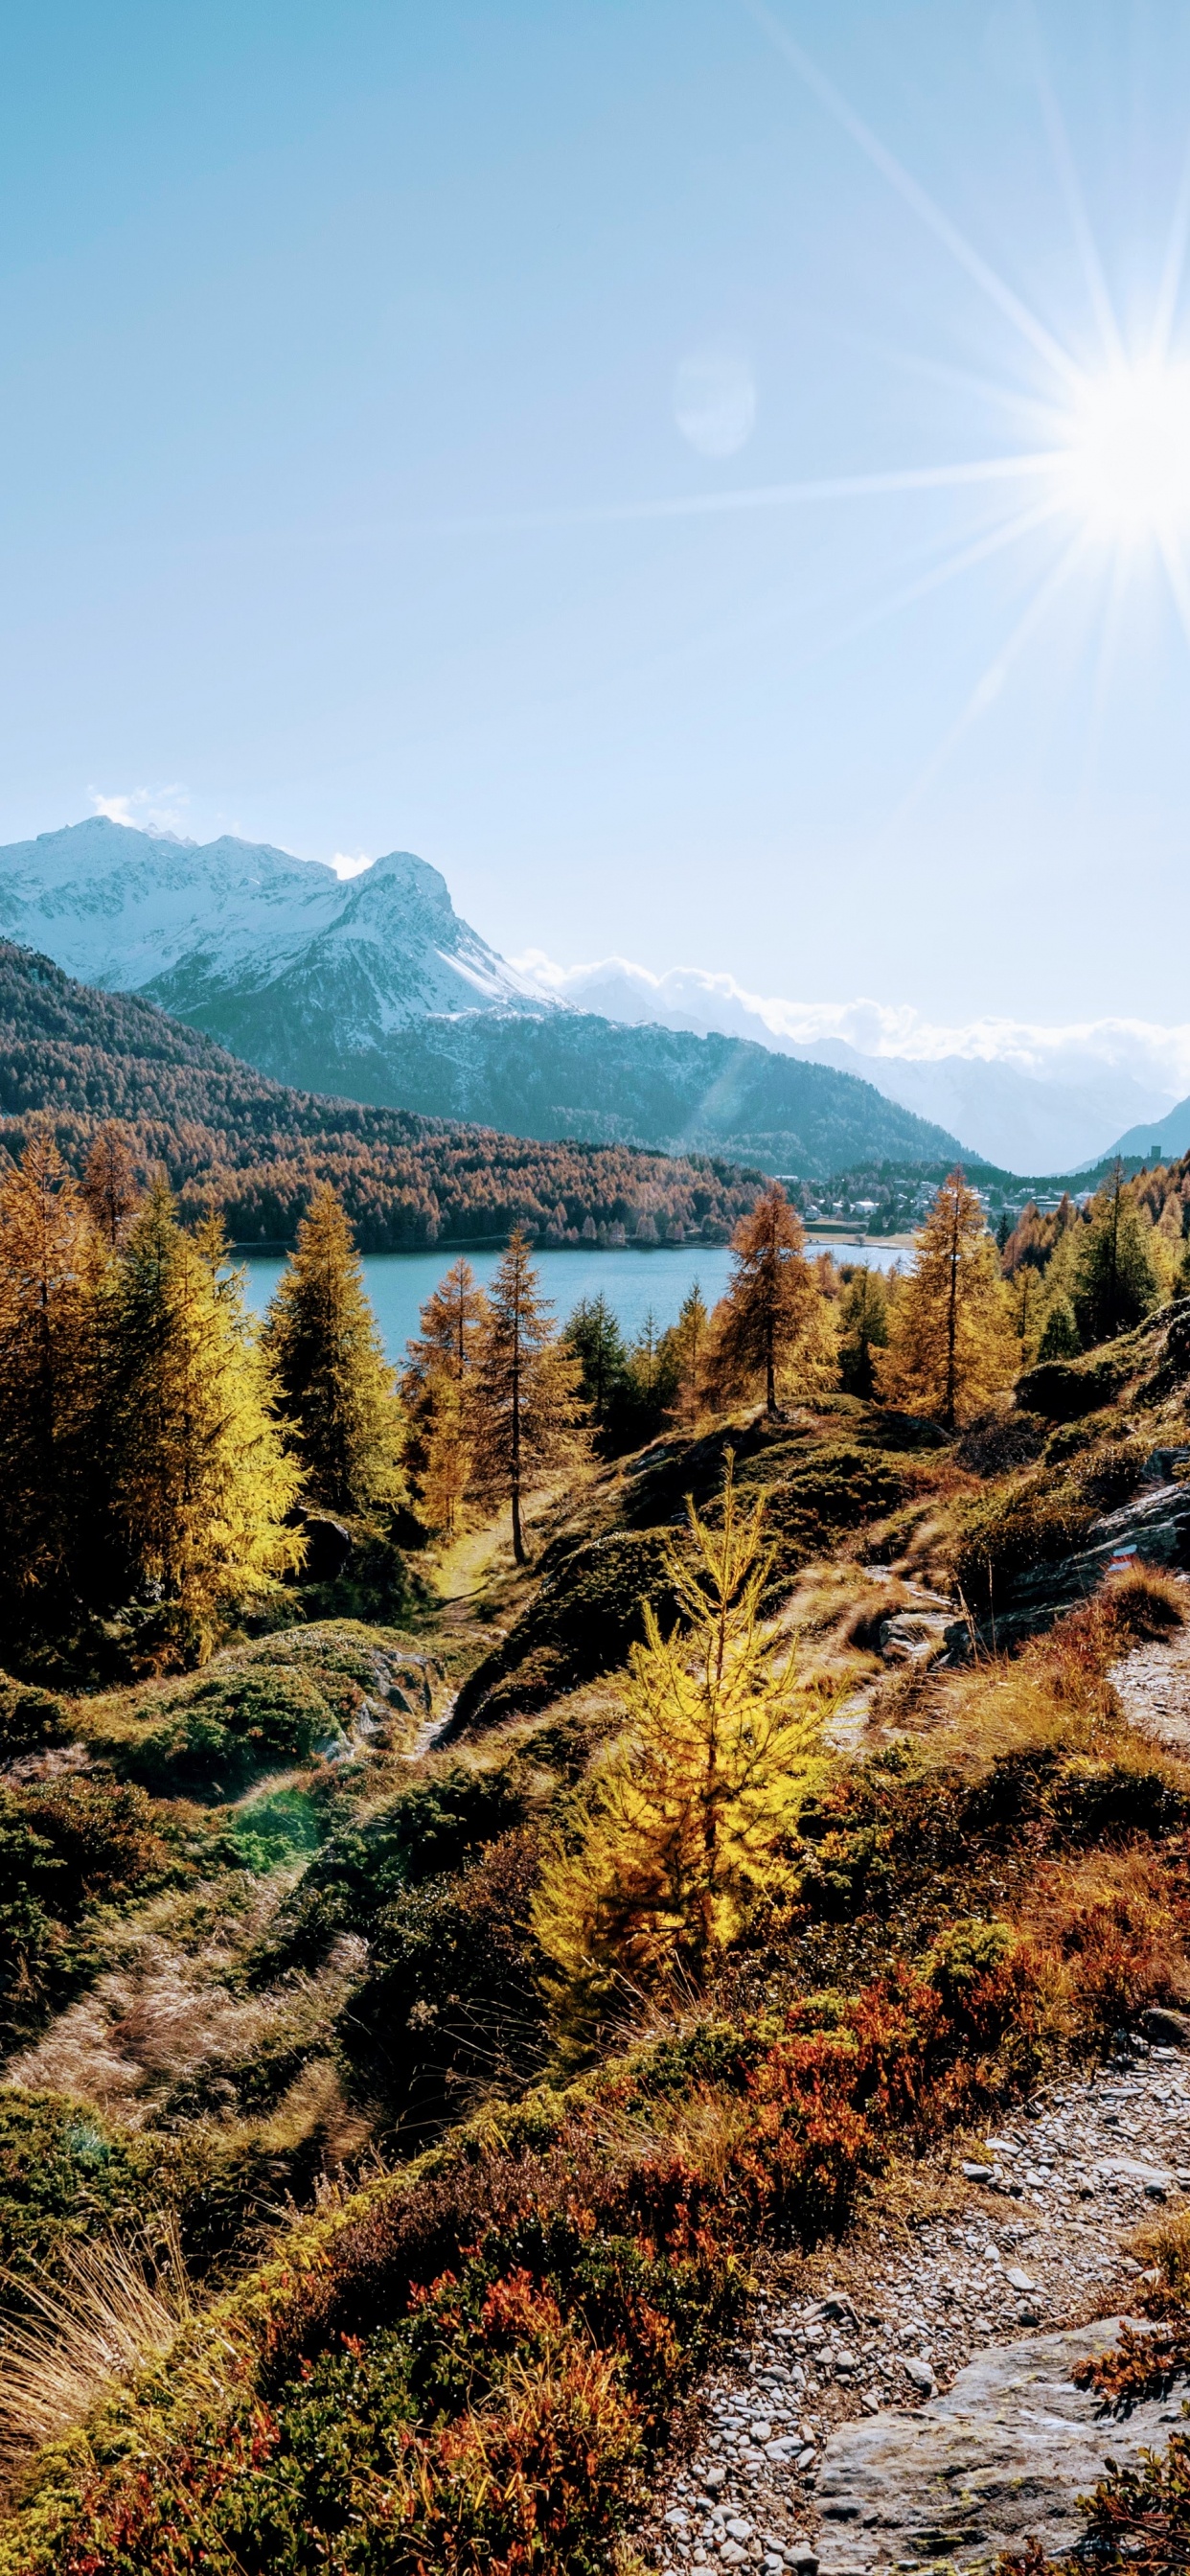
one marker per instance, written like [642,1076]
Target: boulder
[1154,1527]
[1003,2457]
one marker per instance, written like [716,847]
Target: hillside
[374,990]
[571,1074]
[237,1143]
[824,2236]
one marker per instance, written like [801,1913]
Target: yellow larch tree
[435,1388]
[951,1345]
[774,1329]
[337,1390]
[525,1416]
[723,1745]
[50,1278]
[201,1483]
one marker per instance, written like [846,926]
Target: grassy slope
[283,1942]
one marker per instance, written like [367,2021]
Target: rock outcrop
[1002,2457]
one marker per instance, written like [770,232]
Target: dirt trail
[1152,1685]
[1034,2239]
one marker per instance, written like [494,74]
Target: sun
[1126,455]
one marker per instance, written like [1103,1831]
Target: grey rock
[1170,2029]
[1154,1525]
[1004,2454]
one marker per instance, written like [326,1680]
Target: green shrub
[229,1727]
[63,2173]
[275,1829]
[586,1615]
[1026,1523]
[30,1719]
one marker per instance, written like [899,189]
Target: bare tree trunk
[518,1543]
[952,1319]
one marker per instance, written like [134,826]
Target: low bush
[212,1741]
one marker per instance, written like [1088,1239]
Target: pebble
[1064,2185]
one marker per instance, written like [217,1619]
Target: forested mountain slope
[571,1074]
[234,1142]
[375,990]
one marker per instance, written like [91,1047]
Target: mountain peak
[192,923]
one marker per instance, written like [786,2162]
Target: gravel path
[1152,1685]
[1037,2238]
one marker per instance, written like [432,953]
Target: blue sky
[346,349]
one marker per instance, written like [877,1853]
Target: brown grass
[115,2306]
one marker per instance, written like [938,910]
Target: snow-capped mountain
[225,924]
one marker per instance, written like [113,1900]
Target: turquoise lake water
[632,1282]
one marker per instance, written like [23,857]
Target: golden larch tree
[337,1390]
[50,1281]
[110,1186]
[773,1325]
[723,1745]
[951,1345]
[201,1483]
[435,1389]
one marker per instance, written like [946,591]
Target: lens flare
[1128,458]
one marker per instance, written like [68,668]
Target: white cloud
[145,809]
[345,866]
[692,996]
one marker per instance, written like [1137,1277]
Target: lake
[399,1283]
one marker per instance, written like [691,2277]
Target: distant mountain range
[238,1145]
[1022,1121]
[1170,1135]
[374,990]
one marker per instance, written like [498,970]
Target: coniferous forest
[516,1867]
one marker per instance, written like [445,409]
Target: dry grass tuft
[1146,1604]
[117,2305]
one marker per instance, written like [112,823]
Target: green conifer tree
[1059,1339]
[594,1336]
[863,1326]
[525,1407]
[1115,1283]
[336,1387]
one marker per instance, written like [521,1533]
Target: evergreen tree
[435,1389]
[950,1347]
[525,1408]
[1115,1283]
[50,1281]
[336,1388]
[684,1349]
[773,1320]
[723,1745]
[594,1336]
[863,1330]
[1059,1339]
[109,1184]
[200,1482]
